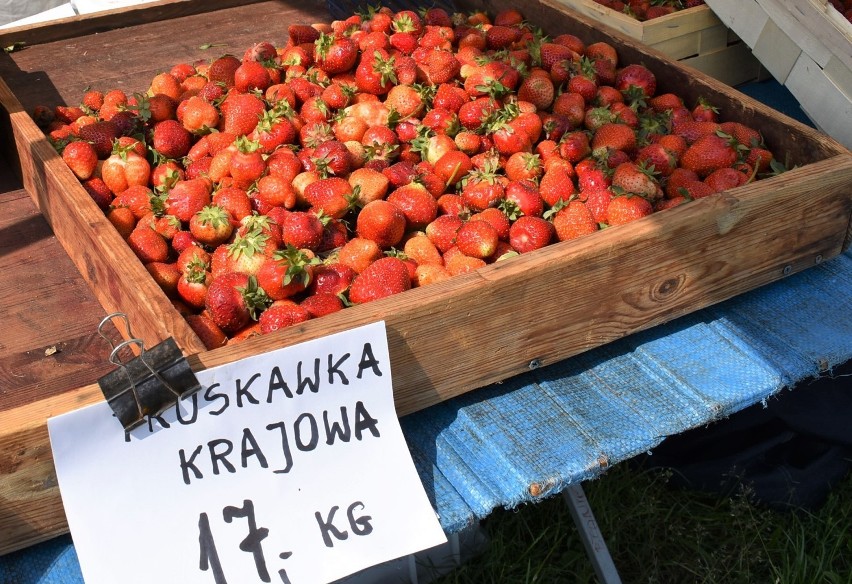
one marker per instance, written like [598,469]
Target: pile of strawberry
[380,153]
[649,9]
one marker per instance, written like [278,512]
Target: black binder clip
[147,384]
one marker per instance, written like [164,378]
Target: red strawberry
[524,166]
[281,315]
[704,111]
[322,303]
[358,253]
[81,158]
[442,231]
[458,263]
[524,196]
[102,135]
[636,179]
[725,178]
[453,166]
[556,184]
[233,300]
[136,198]
[573,220]
[334,54]
[251,76]
[241,113]
[330,195]
[625,208]
[500,37]
[302,230]
[552,53]
[375,73]
[148,245]
[221,70]
[171,139]
[404,42]
[615,136]
[477,239]
[211,226]
[417,205]
[498,220]
[245,254]
[537,89]
[302,34]
[384,277]
[288,272]
[208,331]
[656,156]
[639,76]
[193,284]
[382,222]
[473,114]
[331,278]
[707,154]
[125,169]
[188,197]
[99,192]
[529,233]
[419,247]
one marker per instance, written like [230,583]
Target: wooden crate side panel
[115,275]
[700,42]
[839,75]
[824,102]
[745,17]
[732,65]
[680,47]
[777,51]
[678,23]
[713,39]
[825,26]
[794,28]
[609,17]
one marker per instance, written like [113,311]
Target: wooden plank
[826,104]
[745,17]
[611,18]
[809,41]
[825,27]
[733,65]
[678,23]
[840,76]
[777,51]
[712,39]
[680,47]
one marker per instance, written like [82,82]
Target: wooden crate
[694,36]
[807,46]
[445,339]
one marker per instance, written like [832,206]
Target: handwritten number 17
[209,559]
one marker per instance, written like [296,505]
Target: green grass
[659,534]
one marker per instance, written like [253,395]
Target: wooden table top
[48,336]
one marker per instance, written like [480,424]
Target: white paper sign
[289,466]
